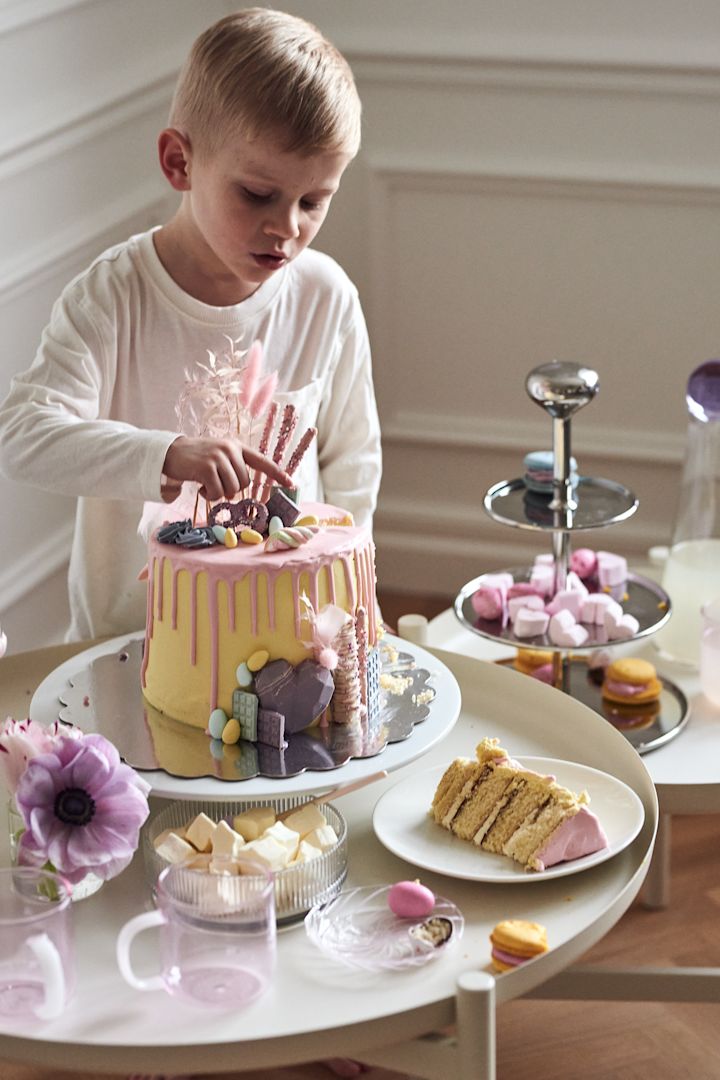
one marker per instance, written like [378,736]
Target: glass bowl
[359,929]
[297,888]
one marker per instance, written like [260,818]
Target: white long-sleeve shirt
[94,415]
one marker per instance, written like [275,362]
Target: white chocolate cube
[285,836]
[173,848]
[251,824]
[200,832]
[324,837]
[226,841]
[269,851]
[306,852]
[305,819]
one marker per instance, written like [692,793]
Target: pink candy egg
[410,899]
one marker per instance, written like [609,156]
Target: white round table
[685,771]
[317,1008]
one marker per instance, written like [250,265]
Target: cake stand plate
[645,727]
[639,596]
[99,691]
[599,502]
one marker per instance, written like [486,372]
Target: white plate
[443,711]
[402,823]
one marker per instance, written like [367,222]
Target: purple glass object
[703,391]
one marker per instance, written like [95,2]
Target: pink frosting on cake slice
[580,835]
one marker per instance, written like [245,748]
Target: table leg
[656,889]
[476,1026]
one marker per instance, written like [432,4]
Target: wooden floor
[594,1040]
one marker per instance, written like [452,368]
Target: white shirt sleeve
[349,451]
[55,433]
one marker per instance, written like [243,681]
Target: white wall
[537,181]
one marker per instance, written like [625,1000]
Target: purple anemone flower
[82,808]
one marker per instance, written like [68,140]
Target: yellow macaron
[631,681]
[516,940]
[528,660]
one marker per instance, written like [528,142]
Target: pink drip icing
[270,586]
[160,589]
[193,617]
[296,601]
[149,626]
[212,594]
[331,582]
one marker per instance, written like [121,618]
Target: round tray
[645,727]
[646,600]
[99,690]
[599,503]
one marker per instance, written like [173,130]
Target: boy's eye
[255,196]
[310,204]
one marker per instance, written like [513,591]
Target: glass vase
[16,826]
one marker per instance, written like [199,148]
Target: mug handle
[124,942]
[53,976]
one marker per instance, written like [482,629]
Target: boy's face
[247,211]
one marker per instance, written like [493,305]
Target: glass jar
[16,826]
[692,572]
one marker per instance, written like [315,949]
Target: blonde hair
[262,71]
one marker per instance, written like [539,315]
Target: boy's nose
[284,223]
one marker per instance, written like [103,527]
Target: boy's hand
[220,466]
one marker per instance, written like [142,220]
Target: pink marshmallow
[583,562]
[517,603]
[529,622]
[545,559]
[594,606]
[565,600]
[544,673]
[611,569]
[564,631]
[501,580]
[488,602]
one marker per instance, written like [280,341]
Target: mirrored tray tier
[100,692]
[646,727]
[599,503]
[639,596]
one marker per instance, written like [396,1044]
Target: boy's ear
[175,156]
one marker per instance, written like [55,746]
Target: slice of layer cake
[503,808]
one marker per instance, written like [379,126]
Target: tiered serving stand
[561,389]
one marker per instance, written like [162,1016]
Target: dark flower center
[74,806]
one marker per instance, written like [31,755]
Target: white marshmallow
[534,603]
[501,581]
[324,837]
[565,631]
[530,622]
[200,832]
[594,606]
[611,569]
[625,628]
[576,584]
[226,841]
[173,848]
[543,578]
[565,600]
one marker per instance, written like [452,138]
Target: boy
[264,121]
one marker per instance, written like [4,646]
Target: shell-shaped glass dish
[297,888]
[359,929]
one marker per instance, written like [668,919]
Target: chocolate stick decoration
[263,447]
[287,426]
[299,451]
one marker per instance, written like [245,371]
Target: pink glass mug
[217,935]
[37,955]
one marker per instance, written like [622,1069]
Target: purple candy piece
[301,694]
[280,505]
[271,728]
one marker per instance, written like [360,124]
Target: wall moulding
[36,564]
[81,129]
[78,245]
[500,433]
[17,13]
[591,75]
